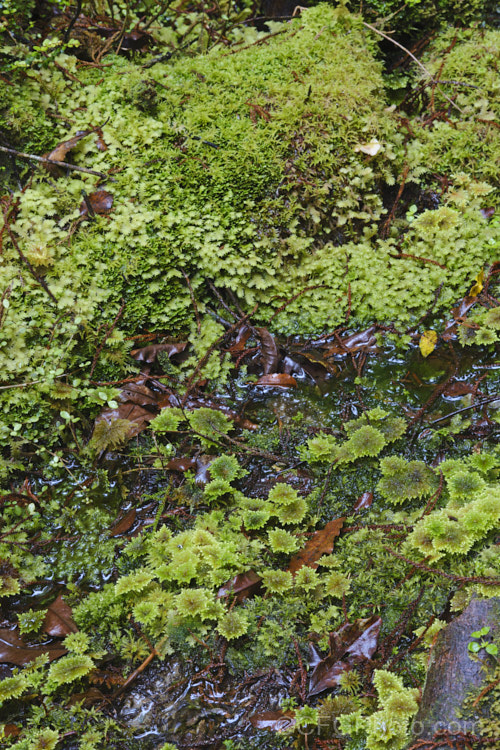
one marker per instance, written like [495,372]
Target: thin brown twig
[209,351]
[193,301]
[106,336]
[39,279]
[415,59]
[486,580]
[46,160]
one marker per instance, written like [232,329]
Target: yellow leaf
[427,343]
[478,286]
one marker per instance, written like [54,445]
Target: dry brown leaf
[321,543]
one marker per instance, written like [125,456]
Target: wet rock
[453,674]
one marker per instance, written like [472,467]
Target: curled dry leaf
[321,543]
[60,152]
[277,380]
[352,644]
[241,339]
[13,650]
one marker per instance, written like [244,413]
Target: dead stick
[421,65]
[45,160]
[39,279]
[106,336]
[486,580]
[207,354]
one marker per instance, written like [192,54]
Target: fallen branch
[45,160]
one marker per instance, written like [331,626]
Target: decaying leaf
[13,650]
[270,352]
[241,339]
[60,152]
[124,523]
[363,341]
[364,501]
[101,202]
[59,619]
[275,721]
[321,543]
[241,586]
[180,464]
[150,353]
[277,380]
[372,148]
[352,644]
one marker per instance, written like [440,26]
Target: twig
[486,580]
[106,336]
[302,672]
[415,59]
[73,21]
[45,160]
[466,408]
[136,672]
[193,300]
[390,218]
[296,296]
[418,257]
[207,354]
[39,279]
[485,691]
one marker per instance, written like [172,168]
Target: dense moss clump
[261,169]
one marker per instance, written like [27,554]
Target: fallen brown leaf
[352,644]
[321,543]
[58,620]
[150,353]
[276,721]
[13,650]
[124,523]
[242,586]
[362,341]
[363,501]
[62,149]
[101,202]
[277,380]
[270,352]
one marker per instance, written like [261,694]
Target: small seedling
[476,646]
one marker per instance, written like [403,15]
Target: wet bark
[453,674]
